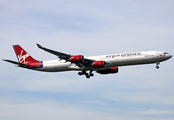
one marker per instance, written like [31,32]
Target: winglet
[39,46]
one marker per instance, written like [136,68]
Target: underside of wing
[87,62]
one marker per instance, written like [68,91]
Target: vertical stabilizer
[22,55]
[25,58]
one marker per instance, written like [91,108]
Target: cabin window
[165,53]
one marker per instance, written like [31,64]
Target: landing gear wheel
[87,76]
[83,72]
[79,73]
[157,67]
[91,74]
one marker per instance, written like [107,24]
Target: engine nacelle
[98,64]
[77,58]
[108,71]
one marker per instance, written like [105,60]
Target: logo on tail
[22,57]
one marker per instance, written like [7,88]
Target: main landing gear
[88,75]
[157,67]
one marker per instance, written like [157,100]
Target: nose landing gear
[157,67]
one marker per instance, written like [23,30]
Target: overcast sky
[92,27]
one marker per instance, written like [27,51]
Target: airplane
[103,64]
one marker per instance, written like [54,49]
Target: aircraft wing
[59,54]
[66,57]
[17,63]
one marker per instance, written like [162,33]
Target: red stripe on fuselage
[37,64]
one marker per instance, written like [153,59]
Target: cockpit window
[165,53]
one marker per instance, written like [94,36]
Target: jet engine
[98,64]
[77,58]
[108,71]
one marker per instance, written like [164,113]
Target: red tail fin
[25,58]
[22,55]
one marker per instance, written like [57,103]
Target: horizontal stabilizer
[17,63]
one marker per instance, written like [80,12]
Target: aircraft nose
[170,56]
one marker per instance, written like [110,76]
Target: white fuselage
[112,60]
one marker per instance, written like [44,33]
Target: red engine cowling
[98,64]
[108,71]
[77,58]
